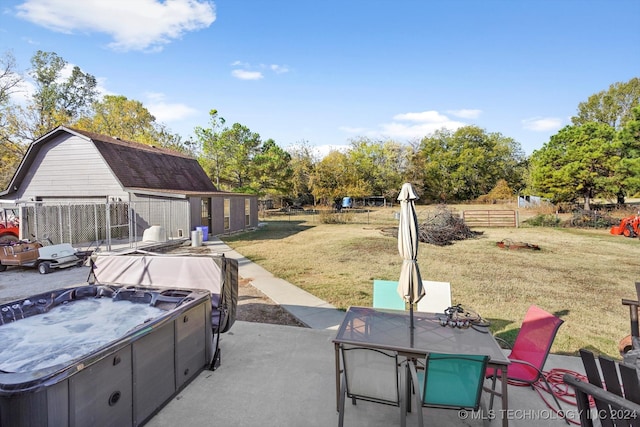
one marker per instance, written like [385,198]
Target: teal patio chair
[385,295]
[451,381]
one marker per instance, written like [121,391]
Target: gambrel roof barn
[73,166]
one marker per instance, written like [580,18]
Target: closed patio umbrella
[410,283]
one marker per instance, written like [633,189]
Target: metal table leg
[338,371]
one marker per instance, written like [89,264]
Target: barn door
[206,213]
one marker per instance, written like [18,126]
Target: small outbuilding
[137,185]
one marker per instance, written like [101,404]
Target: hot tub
[59,366]
[214,273]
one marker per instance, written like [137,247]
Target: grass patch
[579,274]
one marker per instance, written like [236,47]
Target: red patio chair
[529,352]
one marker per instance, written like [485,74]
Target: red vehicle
[629,226]
[9,226]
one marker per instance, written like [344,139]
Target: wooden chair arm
[624,409]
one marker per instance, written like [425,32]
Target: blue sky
[333,70]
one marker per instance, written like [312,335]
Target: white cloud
[247,75]
[245,71]
[420,130]
[139,25]
[424,116]
[26,88]
[542,124]
[28,40]
[167,112]
[465,113]
[410,125]
[66,72]
[101,87]
[279,69]
[420,124]
[23,92]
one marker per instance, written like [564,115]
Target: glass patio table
[389,330]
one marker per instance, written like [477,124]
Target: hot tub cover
[217,274]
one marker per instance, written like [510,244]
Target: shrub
[500,193]
[331,217]
[543,220]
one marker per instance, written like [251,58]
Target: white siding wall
[70,167]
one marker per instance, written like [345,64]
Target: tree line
[598,155]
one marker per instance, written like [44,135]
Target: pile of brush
[443,227]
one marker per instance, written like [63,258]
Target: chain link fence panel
[100,224]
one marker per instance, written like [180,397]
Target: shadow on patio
[274,375]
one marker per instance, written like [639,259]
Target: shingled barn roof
[147,167]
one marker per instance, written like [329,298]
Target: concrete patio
[275,375]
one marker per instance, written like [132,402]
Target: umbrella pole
[411,323]
[411,316]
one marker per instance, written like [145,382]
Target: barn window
[227,214]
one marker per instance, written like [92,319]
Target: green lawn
[580,275]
